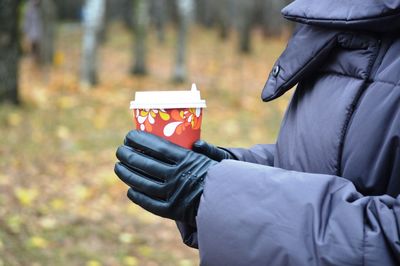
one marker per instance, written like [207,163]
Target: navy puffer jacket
[327,193]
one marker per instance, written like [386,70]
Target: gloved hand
[164,178]
[216,153]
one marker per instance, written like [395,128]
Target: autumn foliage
[60,202]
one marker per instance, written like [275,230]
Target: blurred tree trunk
[93,20]
[273,22]
[200,11]
[224,8]
[185,12]
[69,10]
[127,14]
[206,12]
[245,10]
[210,12]
[141,23]
[48,23]
[159,16]
[9,51]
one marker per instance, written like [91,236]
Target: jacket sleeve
[259,215]
[259,154]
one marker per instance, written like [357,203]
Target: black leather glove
[165,178]
[216,153]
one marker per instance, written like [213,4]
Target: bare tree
[93,20]
[224,11]
[159,17]
[9,51]
[245,11]
[141,23]
[185,13]
[273,22]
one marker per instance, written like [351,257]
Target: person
[33,25]
[327,192]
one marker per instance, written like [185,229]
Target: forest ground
[60,202]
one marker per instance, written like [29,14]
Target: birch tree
[9,53]
[93,20]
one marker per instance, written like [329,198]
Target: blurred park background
[68,70]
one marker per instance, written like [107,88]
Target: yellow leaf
[38,242]
[40,97]
[63,132]
[26,196]
[100,121]
[14,223]
[109,179]
[81,192]
[48,223]
[185,262]
[66,102]
[145,251]
[57,204]
[125,238]
[130,261]
[93,263]
[133,209]
[58,58]
[14,119]
[4,180]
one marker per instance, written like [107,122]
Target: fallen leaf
[185,263]
[130,261]
[66,102]
[63,132]
[126,238]
[93,263]
[4,180]
[48,223]
[14,222]
[145,251]
[57,204]
[26,196]
[14,119]
[59,58]
[38,242]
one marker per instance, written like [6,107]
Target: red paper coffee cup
[172,115]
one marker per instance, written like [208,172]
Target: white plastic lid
[168,99]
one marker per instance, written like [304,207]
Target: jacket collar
[368,15]
[306,51]
[308,47]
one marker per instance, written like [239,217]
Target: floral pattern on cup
[146,118]
[183,119]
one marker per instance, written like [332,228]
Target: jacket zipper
[372,67]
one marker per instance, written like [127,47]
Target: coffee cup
[173,115]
